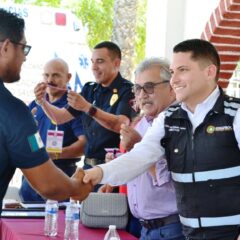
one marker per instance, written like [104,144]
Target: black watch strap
[92,111]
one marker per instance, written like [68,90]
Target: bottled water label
[51,210]
[71,222]
[75,216]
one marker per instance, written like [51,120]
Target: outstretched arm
[50,182]
[129,165]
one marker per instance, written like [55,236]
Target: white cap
[112,226]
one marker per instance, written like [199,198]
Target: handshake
[85,181]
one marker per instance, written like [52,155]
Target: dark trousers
[134,227]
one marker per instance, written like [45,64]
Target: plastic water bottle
[112,233]
[51,215]
[71,221]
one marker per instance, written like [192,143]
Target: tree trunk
[124,29]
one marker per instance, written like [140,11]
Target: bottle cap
[112,226]
[51,201]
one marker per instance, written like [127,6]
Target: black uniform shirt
[115,99]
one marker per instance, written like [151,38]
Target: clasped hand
[84,188]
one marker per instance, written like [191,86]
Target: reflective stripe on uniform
[206,175]
[210,221]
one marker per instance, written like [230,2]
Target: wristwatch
[92,111]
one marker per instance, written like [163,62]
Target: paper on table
[40,205]
[22,214]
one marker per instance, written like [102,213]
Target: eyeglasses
[147,87]
[26,48]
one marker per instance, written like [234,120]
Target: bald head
[56,75]
[57,62]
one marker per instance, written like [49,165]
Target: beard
[10,76]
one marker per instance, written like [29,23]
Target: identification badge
[115,151]
[54,141]
[113,99]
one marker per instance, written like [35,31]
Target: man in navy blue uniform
[56,75]
[103,105]
[20,143]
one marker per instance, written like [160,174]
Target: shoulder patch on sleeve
[35,142]
[171,109]
[90,83]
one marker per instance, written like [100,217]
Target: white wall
[172,21]
[197,14]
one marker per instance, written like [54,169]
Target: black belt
[159,222]
[92,161]
[66,161]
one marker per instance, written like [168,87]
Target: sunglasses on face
[147,87]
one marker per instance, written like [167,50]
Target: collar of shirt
[59,101]
[149,119]
[143,125]
[202,108]
[116,84]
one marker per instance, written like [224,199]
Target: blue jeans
[169,232]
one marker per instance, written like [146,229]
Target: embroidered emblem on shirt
[175,128]
[114,97]
[211,129]
[35,142]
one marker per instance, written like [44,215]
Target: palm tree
[124,29]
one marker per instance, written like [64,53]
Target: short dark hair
[11,26]
[112,47]
[201,49]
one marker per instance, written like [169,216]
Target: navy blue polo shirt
[20,143]
[115,99]
[72,129]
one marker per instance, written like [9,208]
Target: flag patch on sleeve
[35,142]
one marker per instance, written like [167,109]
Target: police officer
[103,105]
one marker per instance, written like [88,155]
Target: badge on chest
[54,141]
[114,97]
